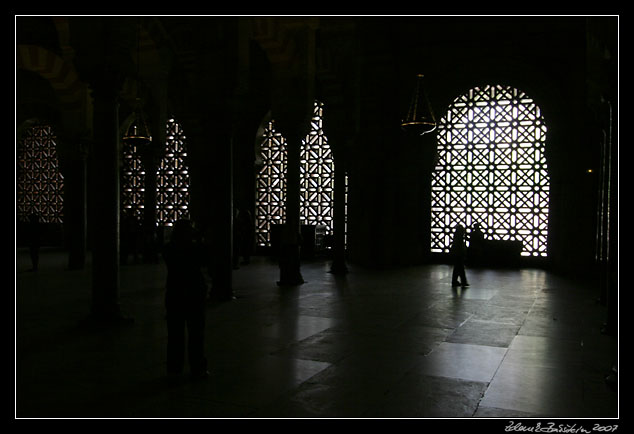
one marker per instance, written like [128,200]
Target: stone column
[338,265]
[220,197]
[211,194]
[336,139]
[105,211]
[290,244]
[76,189]
[150,162]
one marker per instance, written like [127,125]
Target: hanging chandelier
[138,134]
[420,117]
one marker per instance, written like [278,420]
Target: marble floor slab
[398,343]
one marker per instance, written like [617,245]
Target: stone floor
[373,344]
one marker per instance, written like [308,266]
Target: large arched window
[316,180]
[492,170]
[40,185]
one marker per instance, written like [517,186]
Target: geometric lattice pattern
[316,180]
[172,180]
[40,185]
[132,182]
[317,176]
[492,170]
[270,202]
[172,202]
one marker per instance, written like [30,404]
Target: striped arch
[277,37]
[60,74]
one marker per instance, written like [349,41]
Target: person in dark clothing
[458,252]
[476,245]
[185,297]
[34,240]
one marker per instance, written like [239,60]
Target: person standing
[185,297]
[476,246]
[458,252]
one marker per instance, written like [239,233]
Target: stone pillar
[290,244]
[292,111]
[211,195]
[76,188]
[292,100]
[417,157]
[150,162]
[612,234]
[105,211]
[339,248]
[336,139]
[156,109]
[221,200]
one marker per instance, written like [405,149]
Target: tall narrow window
[317,176]
[492,170]
[40,185]
[133,182]
[270,185]
[316,180]
[173,178]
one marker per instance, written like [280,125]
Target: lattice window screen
[270,185]
[492,170]
[40,185]
[172,202]
[172,179]
[317,176]
[316,180]
[133,182]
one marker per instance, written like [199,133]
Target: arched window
[173,178]
[492,170]
[270,201]
[40,185]
[316,180]
[133,182]
[317,176]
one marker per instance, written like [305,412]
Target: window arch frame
[491,169]
[173,167]
[172,179]
[47,200]
[316,165]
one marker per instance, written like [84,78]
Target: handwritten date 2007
[551,427]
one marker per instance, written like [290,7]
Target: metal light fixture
[138,133]
[420,117]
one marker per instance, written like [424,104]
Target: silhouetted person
[476,244]
[34,240]
[458,252]
[185,297]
